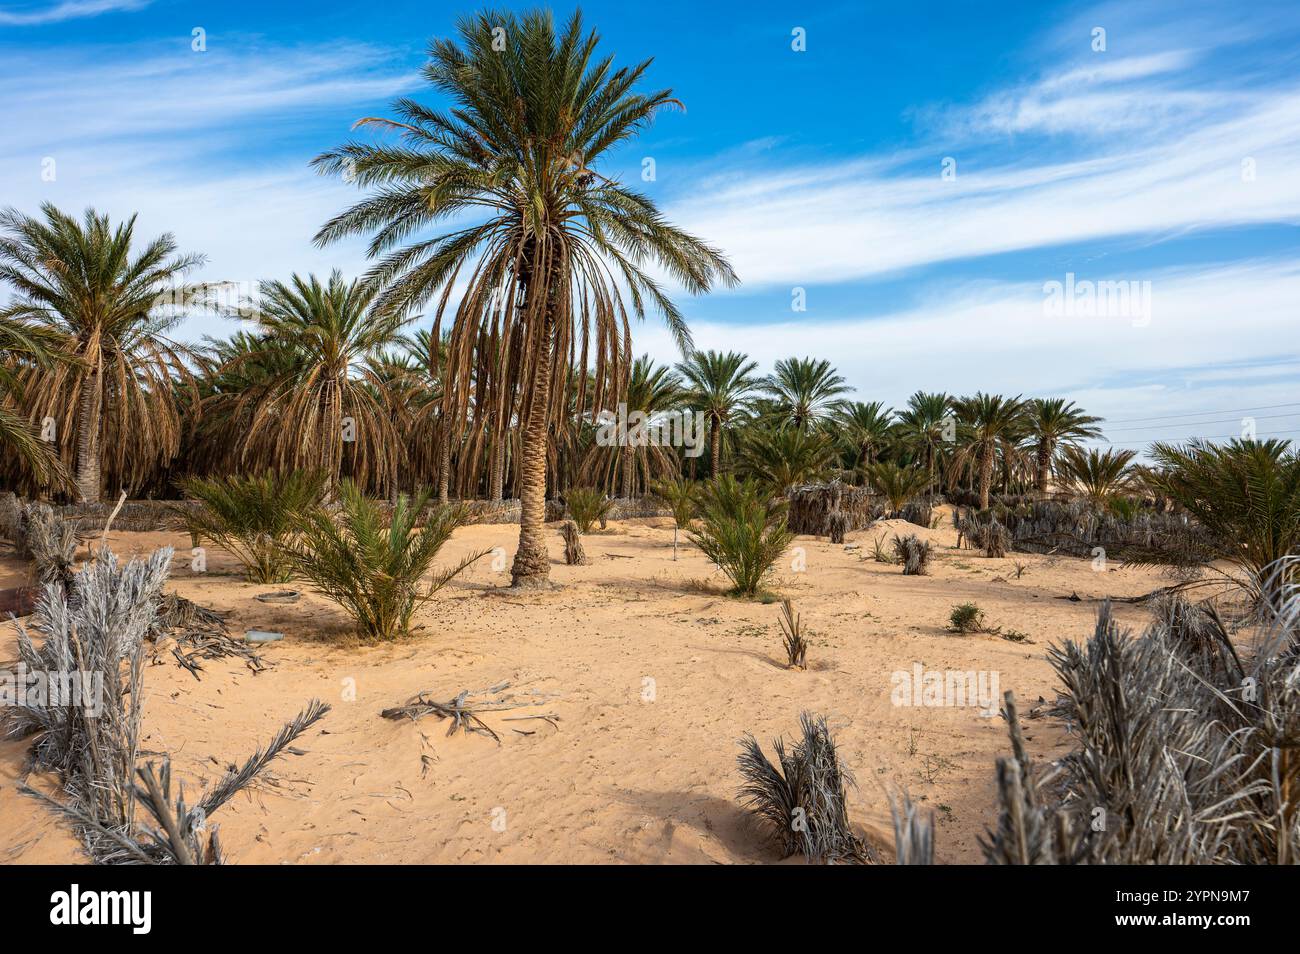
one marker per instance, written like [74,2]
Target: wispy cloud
[67,10]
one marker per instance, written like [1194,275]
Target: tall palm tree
[651,390]
[805,390]
[991,424]
[864,427]
[554,246]
[112,398]
[324,409]
[1054,422]
[926,427]
[719,386]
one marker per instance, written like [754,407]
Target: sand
[653,674]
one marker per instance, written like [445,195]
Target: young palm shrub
[742,531]
[966,618]
[897,484]
[372,570]
[913,553]
[586,506]
[793,637]
[784,457]
[802,800]
[254,518]
[682,497]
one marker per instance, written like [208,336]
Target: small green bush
[254,518]
[373,571]
[966,618]
[586,506]
[742,530]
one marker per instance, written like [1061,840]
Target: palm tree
[650,390]
[864,428]
[324,408]
[805,391]
[1098,475]
[925,427]
[897,484]
[25,344]
[992,424]
[1246,494]
[112,396]
[719,386]
[783,457]
[555,246]
[1054,422]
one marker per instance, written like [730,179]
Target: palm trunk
[1044,466]
[715,445]
[497,479]
[532,566]
[444,466]
[986,476]
[629,470]
[88,469]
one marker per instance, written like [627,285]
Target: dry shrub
[914,553]
[1185,753]
[802,800]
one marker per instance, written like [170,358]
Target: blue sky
[1166,161]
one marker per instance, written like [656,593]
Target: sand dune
[652,673]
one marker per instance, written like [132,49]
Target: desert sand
[651,674]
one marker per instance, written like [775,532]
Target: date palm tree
[1097,475]
[720,386]
[324,407]
[551,248]
[1054,422]
[864,429]
[651,390]
[926,428]
[805,391]
[20,442]
[112,398]
[991,424]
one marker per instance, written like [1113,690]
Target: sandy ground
[651,673]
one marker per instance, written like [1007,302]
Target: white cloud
[68,10]
[995,336]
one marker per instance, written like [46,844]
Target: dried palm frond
[803,800]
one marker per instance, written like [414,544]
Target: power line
[1226,410]
[1222,420]
[1216,437]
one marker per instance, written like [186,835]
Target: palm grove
[475,355]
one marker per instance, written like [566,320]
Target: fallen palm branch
[195,633]
[464,709]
